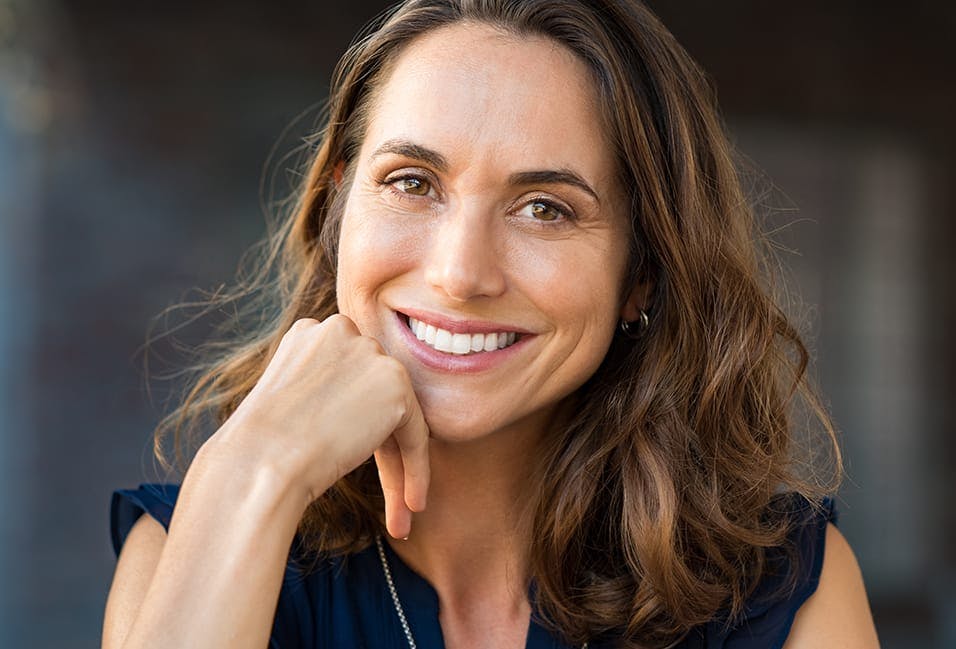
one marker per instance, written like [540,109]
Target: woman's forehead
[475,91]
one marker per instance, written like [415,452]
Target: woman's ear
[638,300]
[338,172]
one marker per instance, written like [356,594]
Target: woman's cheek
[578,276]
[373,249]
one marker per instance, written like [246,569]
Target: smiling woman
[524,332]
[510,231]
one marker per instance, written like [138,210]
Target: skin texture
[461,239]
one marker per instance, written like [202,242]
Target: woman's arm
[214,580]
[838,614]
[327,401]
[134,570]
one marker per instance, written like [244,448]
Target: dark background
[133,137]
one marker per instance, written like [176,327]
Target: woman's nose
[463,261]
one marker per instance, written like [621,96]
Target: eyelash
[565,214]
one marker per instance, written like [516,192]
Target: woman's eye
[545,211]
[412,185]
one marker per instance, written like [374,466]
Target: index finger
[411,435]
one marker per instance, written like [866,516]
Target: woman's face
[485,217]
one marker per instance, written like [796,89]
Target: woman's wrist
[246,478]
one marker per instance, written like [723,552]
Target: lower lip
[459,364]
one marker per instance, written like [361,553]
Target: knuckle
[298,328]
[369,345]
[395,376]
[303,323]
[394,388]
[393,368]
[339,323]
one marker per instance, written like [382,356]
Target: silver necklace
[391,589]
[396,601]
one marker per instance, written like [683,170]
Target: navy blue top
[345,601]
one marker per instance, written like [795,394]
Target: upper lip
[460,325]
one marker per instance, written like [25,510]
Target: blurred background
[133,138]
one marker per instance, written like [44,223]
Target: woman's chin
[443,428]
[463,424]
[452,415]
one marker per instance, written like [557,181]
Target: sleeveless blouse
[345,601]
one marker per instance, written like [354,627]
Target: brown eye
[545,211]
[413,185]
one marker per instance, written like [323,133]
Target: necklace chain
[394,593]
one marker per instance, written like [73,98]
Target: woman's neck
[470,542]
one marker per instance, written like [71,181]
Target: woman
[520,276]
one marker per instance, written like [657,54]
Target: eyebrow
[414,151]
[553,177]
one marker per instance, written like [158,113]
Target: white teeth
[418,328]
[443,341]
[459,344]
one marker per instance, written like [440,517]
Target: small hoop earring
[635,328]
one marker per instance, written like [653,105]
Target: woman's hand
[329,399]
[326,402]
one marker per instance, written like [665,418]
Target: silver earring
[635,328]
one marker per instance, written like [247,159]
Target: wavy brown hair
[654,505]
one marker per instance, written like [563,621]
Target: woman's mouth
[460,344]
